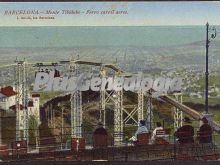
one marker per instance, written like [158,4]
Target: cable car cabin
[56,72]
[100,141]
[47,71]
[143,139]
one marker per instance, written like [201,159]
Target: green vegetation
[129,131]
[44,96]
[33,129]
[213,79]
[200,100]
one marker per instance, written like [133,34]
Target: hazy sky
[139,13]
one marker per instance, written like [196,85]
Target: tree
[33,129]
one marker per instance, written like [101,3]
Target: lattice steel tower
[102,98]
[76,106]
[178,115]
[22,122]
[149,112]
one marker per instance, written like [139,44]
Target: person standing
[205,132]
[141,129]
[185,133]
[154,134]
[100,130]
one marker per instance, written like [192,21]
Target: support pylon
[102,99]
[21,98]
[51,114]
[76,108]
[18,100]
[140,105]
[149,112]
[118,118]
[178,115]
[102,108]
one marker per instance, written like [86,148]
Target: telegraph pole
[207,69]
[210,34]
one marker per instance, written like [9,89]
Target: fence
[60,147]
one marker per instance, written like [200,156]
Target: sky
[138,13]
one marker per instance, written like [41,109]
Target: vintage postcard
[109,81]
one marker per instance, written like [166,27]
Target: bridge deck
[193,113]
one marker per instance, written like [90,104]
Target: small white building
[7,97]
[33,108]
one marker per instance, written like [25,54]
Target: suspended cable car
[56,73]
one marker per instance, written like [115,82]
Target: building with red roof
[8,91]
[8,102]
[7,97]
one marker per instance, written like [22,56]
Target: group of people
[143,129]
[184,134]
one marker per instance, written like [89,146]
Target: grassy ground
[213,79]
[213,109]
[195,100]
